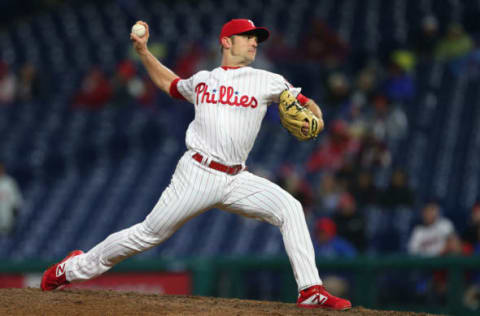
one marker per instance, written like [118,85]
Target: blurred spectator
[10,202]
[338,89]
[8,85]
[472,294]
[30,85]
[328,195]
[388,123]
[373,153]
[357,119]
[456,44]
[430,237]
[350,223]
[297,186]
[323,45]
[124,73]
[159,50]
[326,242]
[398,192]
[434,237]
[364,190]
[399,85]
[128,86]
[367,80]
[426,39]
[356,109]
[471,234]
[471,298]
[328,245]
[334,150]
[190,57]
[147,92]
[403,59]
[212,54]
[95,91]
[396,123]
[347,174]
[453,247]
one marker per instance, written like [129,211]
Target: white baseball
[139,30]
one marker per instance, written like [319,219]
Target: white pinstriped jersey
[230,104]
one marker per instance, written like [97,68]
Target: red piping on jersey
[230,67]
[302,99]
[174,90]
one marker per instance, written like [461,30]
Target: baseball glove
[293,117]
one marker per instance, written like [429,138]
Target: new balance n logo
[322,299]
[60,270]
[317,299]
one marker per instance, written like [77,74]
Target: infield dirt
[89,302]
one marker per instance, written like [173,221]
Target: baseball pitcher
[230,102]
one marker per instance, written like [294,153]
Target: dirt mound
[88,302]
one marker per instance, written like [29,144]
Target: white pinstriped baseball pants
[194,189]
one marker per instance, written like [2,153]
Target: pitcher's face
[244,47]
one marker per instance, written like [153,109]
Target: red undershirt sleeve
[302,99]
[174,90]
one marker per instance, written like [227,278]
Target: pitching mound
[88,302]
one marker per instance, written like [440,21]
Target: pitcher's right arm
[160,74]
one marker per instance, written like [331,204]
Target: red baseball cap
[326,225]
[239,26]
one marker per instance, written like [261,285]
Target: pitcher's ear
[226,42]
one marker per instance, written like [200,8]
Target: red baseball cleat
[317,297]
[54,276]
